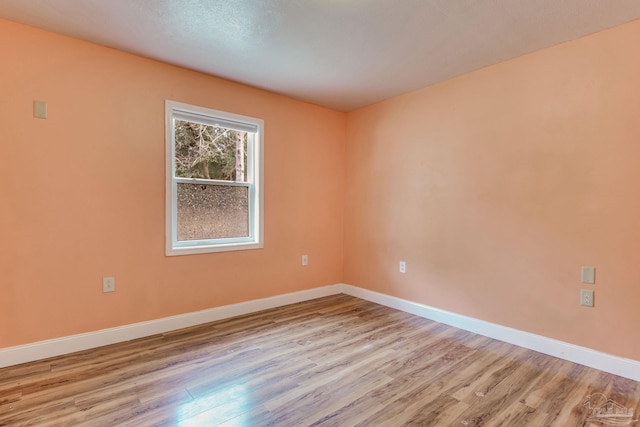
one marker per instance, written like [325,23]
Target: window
[214,180]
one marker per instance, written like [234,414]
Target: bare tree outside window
[210,152]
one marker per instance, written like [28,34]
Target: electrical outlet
[586,297]
[403,267]
[109,284]
[305,259]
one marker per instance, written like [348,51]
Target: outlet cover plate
[586,297]
[402,267]
[109,284]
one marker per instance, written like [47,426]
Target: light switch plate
[588,275]
[40,109]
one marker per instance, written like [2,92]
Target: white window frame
[255,178]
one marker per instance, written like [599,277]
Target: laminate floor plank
[334,361]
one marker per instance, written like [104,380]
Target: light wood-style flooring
[334,361]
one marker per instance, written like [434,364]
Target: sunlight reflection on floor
[225,405]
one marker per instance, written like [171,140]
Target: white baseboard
[55,347]
[623,367]
[627,368]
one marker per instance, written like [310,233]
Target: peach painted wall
[497,186]
[82,193]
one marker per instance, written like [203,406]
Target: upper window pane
[210,152]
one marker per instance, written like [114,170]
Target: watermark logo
[607,412]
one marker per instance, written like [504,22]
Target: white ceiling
[342,54]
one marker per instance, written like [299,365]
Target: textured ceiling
[342,54]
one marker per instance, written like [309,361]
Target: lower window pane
[212,211]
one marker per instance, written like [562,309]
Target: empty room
[319,213]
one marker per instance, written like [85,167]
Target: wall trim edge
[616,365]
[16,355]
